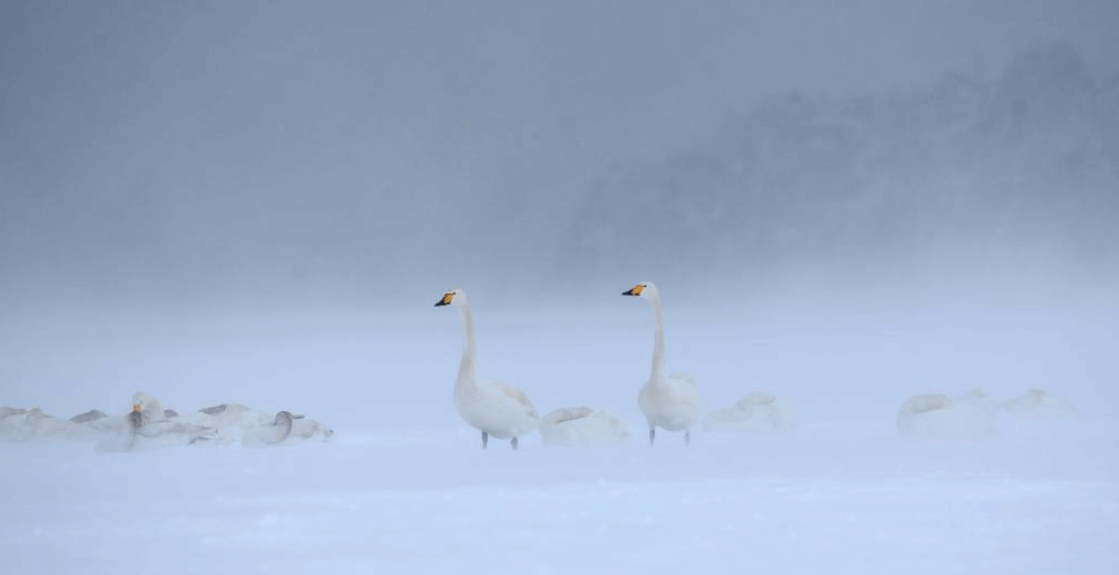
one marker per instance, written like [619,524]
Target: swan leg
[652,435]
[514,443]
[687,437]
[485,439]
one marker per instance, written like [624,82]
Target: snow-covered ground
[435,503]
[404,486]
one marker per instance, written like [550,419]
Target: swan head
[453,297]
[644,290]
[145,408]
[142,401]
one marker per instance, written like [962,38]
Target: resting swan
[937,416]
[285,428]
[758,412]
[1037,404]
[33,424]
[670,402]
[583,427]
[494,408]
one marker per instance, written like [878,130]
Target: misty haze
[883,238]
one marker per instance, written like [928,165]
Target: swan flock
[147,425]
[670,402]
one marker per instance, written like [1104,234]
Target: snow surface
[404,486]
[434,502]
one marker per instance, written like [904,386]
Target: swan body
[236,415]
[91,415]
[937,416]
[496,409]
[757,412]
[980,399]
[152,412]
[269,435]
[1037,404]
[670,402]
[285,429]
[233,420]
[583,427]
[305,429]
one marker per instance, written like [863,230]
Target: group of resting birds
[498,410]
[149,425]
[670,402]
[974,415]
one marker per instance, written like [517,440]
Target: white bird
[937,416]
[492,407]
[148,421]
[271,434]
[286,428]
[758,412]
[32,424]
[1037,404]
[670,402]
[583,427]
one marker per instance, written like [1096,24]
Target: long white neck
[469,351]
[658,344]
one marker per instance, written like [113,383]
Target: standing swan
[669,402]
[492,407]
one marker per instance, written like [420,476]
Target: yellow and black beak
[137,407]
[445,300]
[636,290]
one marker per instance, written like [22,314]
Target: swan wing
[517,395]
[685,388]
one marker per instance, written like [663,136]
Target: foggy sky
[248,150]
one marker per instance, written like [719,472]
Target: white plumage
[148,426]
[32,424]
[1036,404]
[285,429]
[496,409]
[583,427]
[937,416]
[669,402]
[758,413]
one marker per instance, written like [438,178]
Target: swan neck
[285,428]
[469,350]
[658,343]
